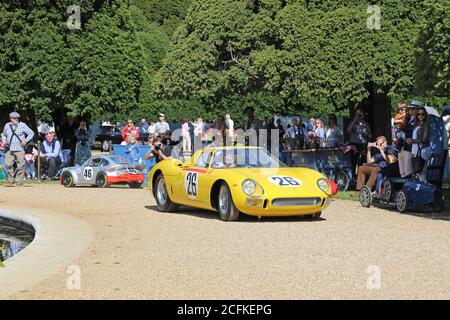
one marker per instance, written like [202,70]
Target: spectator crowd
[374,158]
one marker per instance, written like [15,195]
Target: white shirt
[151,129]
[199,128]
[415,146]
[230,127]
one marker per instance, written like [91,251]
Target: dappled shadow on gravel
[424,212]
[243,218]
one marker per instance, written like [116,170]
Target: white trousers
[405,163]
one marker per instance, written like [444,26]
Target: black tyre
[438,204]
[401,201]
[67,180]
[314,216]
[102,180]
[365,197]
[342,180]
[388,190]
[135,185]
[225,204]
[161,195]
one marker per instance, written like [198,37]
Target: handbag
[418,162]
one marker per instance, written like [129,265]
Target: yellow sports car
[232,180]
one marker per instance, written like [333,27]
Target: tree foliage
[205,57]
[433,49]
[313,56]
[103,70]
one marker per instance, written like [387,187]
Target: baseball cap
[161,115]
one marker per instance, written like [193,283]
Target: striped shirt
[22,131]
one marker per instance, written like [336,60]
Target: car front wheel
[67,180]
[225,204]
[161,195]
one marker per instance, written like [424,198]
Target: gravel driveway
[140,253]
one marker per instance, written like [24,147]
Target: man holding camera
[376,163]
[158,151]
[16,135]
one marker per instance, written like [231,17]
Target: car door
[89,172]
[195,181]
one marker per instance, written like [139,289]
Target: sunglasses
[421,114]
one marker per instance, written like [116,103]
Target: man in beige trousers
[16,135]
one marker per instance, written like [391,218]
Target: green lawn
[348,195]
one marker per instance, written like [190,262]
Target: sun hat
[415,104]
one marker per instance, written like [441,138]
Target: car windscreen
[119,160]
[244,158]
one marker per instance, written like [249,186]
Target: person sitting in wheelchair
[381,162]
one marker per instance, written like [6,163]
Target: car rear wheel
[225,204]
[365,197]
[67,180]
[135,185]
[401,201]
[161,195]
[102,180]
[387,190]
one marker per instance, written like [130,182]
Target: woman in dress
[82,149]
[333,134]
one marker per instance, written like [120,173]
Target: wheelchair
[409,193]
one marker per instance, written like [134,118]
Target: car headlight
[323,184]
[249,187]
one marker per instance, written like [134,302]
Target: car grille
[292,202]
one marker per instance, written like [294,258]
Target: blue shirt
[379,157]
[132,153]
[52,150]
[360,133]
[22,131]
[143,127]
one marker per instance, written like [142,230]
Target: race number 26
[285,181]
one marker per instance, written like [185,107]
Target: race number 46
[88,173]
[191,184]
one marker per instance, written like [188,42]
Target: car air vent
[131,170]
[292,202]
